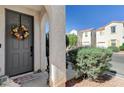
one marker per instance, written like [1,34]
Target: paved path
[118,62]
[40,81]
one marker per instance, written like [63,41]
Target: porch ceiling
[34,7]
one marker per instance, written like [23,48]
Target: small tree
[72,40]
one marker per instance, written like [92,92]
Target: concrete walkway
[36,80]
[40,81]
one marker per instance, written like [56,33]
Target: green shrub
[92,62]
[114,49]
[122,47]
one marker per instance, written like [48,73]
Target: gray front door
[19,53]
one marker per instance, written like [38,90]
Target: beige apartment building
[110,35]
[87,38]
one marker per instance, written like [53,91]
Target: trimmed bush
[122,47]
[114,49]
[92,62]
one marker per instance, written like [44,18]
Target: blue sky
[89,16]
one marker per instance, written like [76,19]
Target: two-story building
[110,35]
[87,38]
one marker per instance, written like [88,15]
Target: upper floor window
[86,34]
[113,29]
[101,33]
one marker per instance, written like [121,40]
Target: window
[86,34]
[123,37]
[101,33]
[113,42]
[113,29]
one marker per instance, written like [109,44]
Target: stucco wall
[100,39]
[118,35]
[2,41]
[79,35]
[107,35]
[86,41]
[37,20]
[43,58]
[57,46]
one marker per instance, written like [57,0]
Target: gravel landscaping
[110,82]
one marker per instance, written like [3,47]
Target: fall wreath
[19,32]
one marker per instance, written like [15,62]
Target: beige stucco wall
[57,46]
[43,58]
[37,34]
[100,39]
[117,35]
[2,41]
[86,41]
[107,36]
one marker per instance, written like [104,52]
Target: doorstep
[38,80]
[27,80]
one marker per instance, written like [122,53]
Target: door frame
[6,9]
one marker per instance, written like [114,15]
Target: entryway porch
[55,16]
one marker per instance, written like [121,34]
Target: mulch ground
[105,81]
